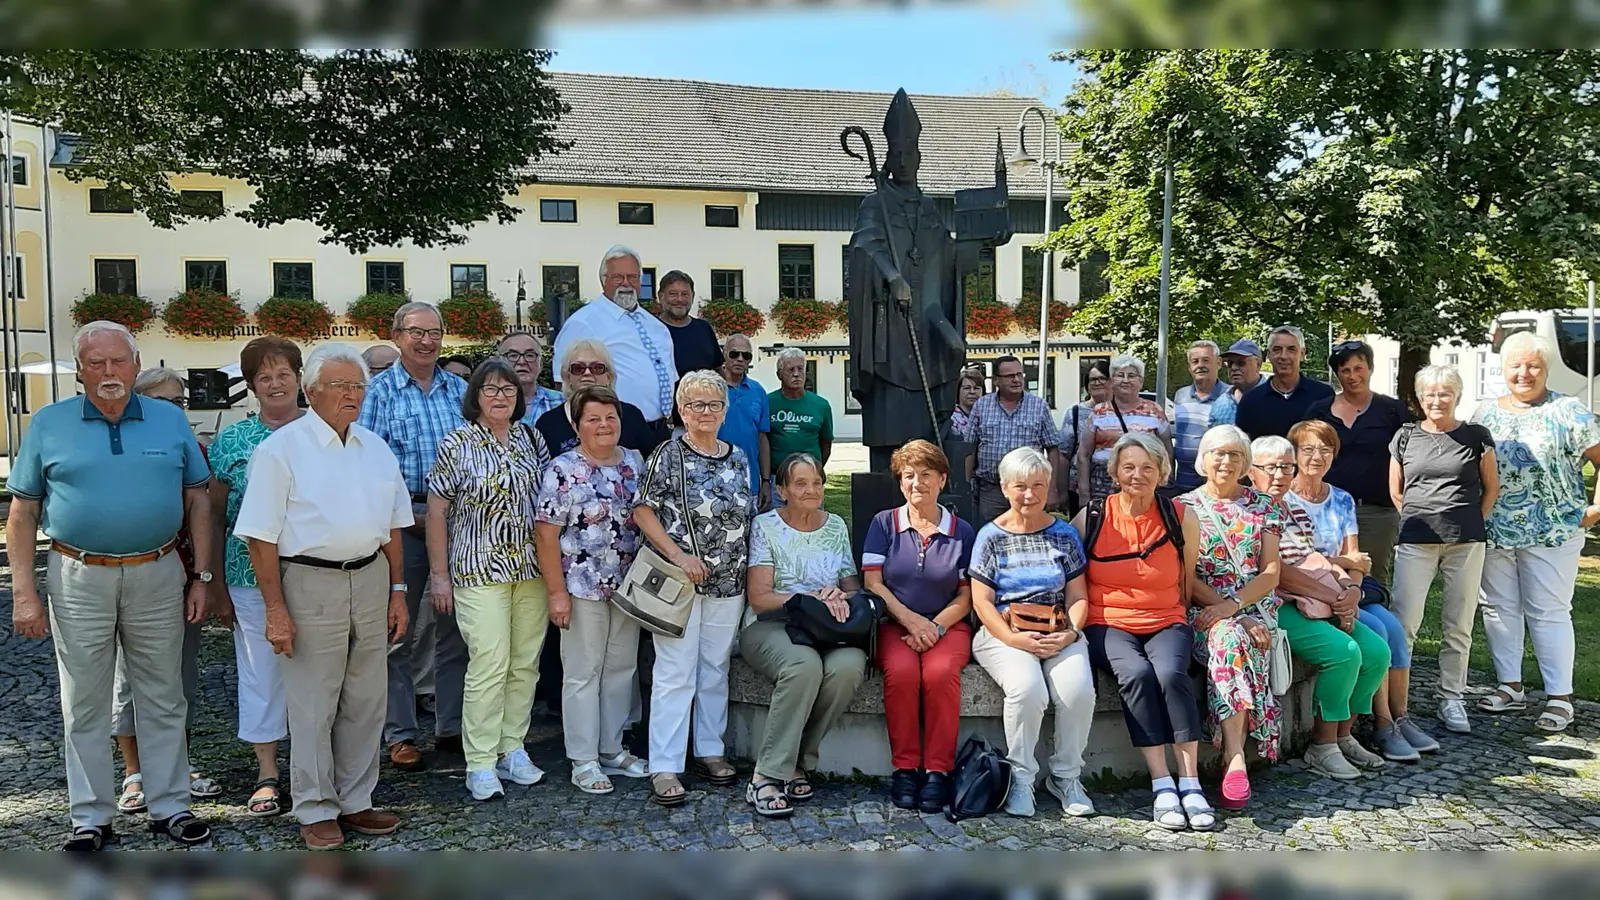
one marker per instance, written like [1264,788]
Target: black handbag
[811,625]
[980,782]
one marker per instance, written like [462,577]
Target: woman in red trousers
[915,557]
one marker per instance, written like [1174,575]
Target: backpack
[980,781]
[1094,519]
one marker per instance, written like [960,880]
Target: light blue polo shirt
[109,487]
[745,421]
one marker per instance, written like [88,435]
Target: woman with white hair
[1236,570]
[1124,413]
[1535,527]
[695,506]
[1141,553]
[1443,479]
[1028,591]
[586,362]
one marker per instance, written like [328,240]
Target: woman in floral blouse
[1233,602]
[696,484]
[586,538]
[1536,527]
[1126,411]
[481,564]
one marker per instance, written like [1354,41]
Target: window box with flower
[204,313]
[296,318]
[131,311]
[374,312]
[732,317]
[474,315]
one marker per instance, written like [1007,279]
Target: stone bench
[859,742]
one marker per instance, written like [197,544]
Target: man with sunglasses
[1242,363]
[412,405]
[1277,405]
[522,351]
[749,419]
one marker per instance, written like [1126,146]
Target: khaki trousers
[504,626]
[599,659]
[93,610]
[336,683]
[810,691]
[1462,566]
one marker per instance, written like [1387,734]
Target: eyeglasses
[1316,452]
[1277,468]
[417,334]
[516,356]
[1008,375]
[1095,381]
[741,354]
[706,406]
[499,390]
[1229,455]
[578,369]
[358,387]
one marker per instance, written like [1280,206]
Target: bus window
[1507,327]
[1573,335]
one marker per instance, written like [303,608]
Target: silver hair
[1126,361]
[1441,376]
[1521,342]
[368,354]
[1269,444]
[1216,438]
[408,308]
[701,381]
[1022,463]
[1209,345]
[784,470]
[154,377]
[729,339]
[333,351]
[1141,440]
[1298,335]
[789,353]
[595,348]
[618,251]
[82,336]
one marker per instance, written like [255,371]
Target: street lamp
[1022,161]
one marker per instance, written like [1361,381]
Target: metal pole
[1044,282]
[8,273]
[15,333]
[49,267]
[1591,344]
[1166,270]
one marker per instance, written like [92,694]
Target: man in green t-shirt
[801,421]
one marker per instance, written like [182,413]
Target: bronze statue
[907,323]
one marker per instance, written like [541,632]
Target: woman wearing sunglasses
[587,362]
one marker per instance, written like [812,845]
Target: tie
[663,381]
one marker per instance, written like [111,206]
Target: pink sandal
[1235,790]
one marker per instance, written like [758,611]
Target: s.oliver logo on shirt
[787,417]
[152,451]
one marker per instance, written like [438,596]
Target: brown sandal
[661,785]
[716,770]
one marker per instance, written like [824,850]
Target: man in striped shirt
[1000,423]
[1191,407]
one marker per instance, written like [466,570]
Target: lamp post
[1166,272]
[1050,163]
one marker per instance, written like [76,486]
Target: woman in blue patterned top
[1536,527]
[1028,555]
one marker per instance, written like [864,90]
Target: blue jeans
[1381,620]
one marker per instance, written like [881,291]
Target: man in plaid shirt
[1000,423]
[412,405]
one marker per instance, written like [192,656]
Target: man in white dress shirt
[325,501]
[640,345]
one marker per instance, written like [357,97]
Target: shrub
[374,312]
[732,317]
[199,312]
[1027,314]
[296,318]
[474,315]
[131,312]
[803,320]
[989,318]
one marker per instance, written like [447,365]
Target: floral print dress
[1539,455]
[1237,669]
[593,504]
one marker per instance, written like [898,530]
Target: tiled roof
[668,132]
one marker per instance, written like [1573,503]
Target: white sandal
[589,779]
[624,764]
[1168,811]
[1555,718]
[1504,699]
[132,799]
[203,788]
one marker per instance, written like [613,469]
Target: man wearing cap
[1275,407]
[1243,360]
[1191,405]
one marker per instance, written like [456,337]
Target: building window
[19,170]
[292,280]
[647,283]
[722,216]
[797,276]
[560,283]
[116,276]
[110,200]
[200,203]
[1030,375]
[558,210]
[206,275]
[467,278]
[980,281]
[636,213]
[1032,271]
[844,270]
[386,278]
[727,284]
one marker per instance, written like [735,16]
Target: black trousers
[1152,672]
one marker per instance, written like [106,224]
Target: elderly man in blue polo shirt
[412,405]
[747,421]
[112,478]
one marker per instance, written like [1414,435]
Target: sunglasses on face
[741,354]
[579,369]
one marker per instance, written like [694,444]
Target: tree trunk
[1412,359]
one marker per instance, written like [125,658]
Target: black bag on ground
[980,782]
[811,625]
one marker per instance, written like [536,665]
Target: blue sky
[962,48]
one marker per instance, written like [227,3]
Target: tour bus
[1568,329]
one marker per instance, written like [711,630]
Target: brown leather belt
[113,559]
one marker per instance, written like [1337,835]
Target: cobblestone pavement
[1506,786]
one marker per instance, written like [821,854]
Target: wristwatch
[203,576]
[397,587]
[939,628]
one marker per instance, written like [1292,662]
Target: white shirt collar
[324,432]
[902,519]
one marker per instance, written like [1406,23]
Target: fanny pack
[1043,613]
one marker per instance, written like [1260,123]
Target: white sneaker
[1075,801]
[483,785]
[1359,756]
[1327,759]
[1019,800]
[1453,713]
[516,766]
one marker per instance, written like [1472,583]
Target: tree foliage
[1414,194]
[374,147]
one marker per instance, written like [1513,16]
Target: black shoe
[935,792]
[903,787]
[448,743]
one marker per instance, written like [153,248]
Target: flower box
[374,313]
[202,313]
[128,310]
[989,318]
[474,315]
[803,320]
[1027,314]
[732,317]
[295,318]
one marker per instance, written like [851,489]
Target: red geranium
[1027,314]
[296,318]
[803,320]
[374,313]
[198,312]
[131,312]
[474,315]
[732,317]
[989,318]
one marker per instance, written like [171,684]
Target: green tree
[1414,194]
[374,147]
